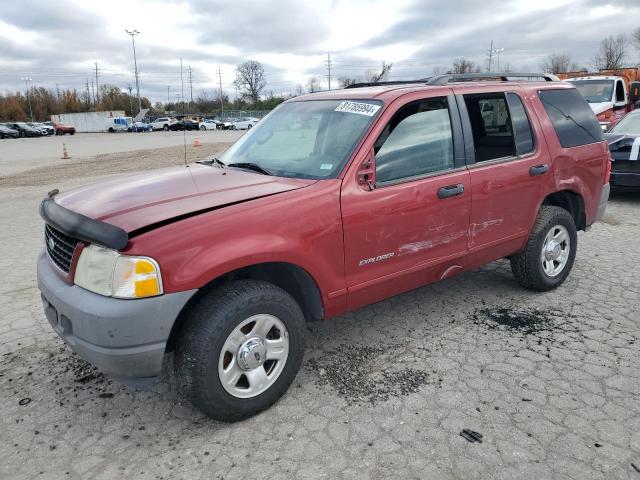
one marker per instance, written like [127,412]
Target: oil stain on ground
[358,374]
[528,321]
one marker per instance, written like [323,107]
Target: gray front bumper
[123,338]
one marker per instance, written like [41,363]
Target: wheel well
[291,278]
[571,202]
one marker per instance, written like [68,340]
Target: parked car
[117,124]
[220,263]
[163,123]
[44,129]
[139,127]
[6,132]
[624,144]
[244,123]
[62,128]
[184,124]
[210,124]
[25,130]
[226,124]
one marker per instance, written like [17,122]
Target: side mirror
[367,172]
[634,92]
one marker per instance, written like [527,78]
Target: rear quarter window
[572,118]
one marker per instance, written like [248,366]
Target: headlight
[108,273]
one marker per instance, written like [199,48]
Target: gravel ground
[551,381]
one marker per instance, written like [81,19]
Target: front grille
[60,247]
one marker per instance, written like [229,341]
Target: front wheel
[203,128]
[166,128]
[240,349]
[550,252]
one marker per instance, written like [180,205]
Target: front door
[411,229]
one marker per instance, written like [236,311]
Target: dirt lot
[551,381]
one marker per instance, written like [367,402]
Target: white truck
[610,93]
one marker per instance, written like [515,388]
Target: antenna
[184,130]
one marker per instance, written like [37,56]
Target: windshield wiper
[251,166]
[213,161]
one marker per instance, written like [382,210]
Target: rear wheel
[166,128]
[202,127]
[240,349]
[550,252]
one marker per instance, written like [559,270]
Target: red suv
[334,201]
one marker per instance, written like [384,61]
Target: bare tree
[313,85]
[462,65]
[345,82]
[250,80]
[299,90]
[373,76]
[559,63]
[612,52]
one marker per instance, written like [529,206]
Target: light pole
[133,33]
[497,51]
[26,81]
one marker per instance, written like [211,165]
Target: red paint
[329,227]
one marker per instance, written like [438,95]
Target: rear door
[510,170]
[407,225]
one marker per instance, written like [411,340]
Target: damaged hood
[135,201]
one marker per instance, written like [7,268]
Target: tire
[203,128]
[72,133]
[202,343]
[535,267]
[166,128]
[249,127]
[233,127]
[110,130]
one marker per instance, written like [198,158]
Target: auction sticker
[360,108]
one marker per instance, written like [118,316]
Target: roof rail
[393,82]
[503,77]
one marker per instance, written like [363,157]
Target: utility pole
[130,105]
[93,93]
[133,33]
[88,95]
[182,86]
[190,82]
[220,84]
[26,81]
[57,92]
[97,87]
[328,62]
[490,53]
[498,50]
[168,96]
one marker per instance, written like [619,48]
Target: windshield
[595,91]
[307,139]
[629,125]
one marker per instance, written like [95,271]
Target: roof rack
[503,77]
[463,77]
[393,82]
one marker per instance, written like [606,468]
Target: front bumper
[123,338]
[624,179]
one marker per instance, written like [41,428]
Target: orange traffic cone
[197,142]
[65,154]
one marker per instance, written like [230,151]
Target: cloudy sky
[58,42]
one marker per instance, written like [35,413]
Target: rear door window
[572,118]
[491,125]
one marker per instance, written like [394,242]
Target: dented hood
[135,201]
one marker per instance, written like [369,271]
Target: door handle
[538,170]
[450,191]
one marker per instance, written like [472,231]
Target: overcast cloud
[57,43]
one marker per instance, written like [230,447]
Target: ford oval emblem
[52,244]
